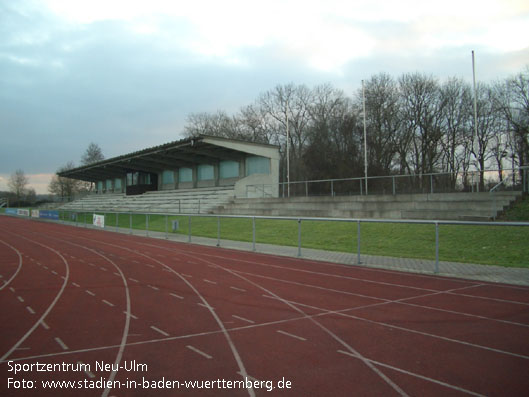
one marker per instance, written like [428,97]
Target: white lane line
[159,330]
[54,272]
[61,344]
[187,275]
[291,335]
[91,264]
[103,268]
[243,319]
[29,309]
[90,292]
[85,369]
[45,267]
[176,296]
[20,260]
[117,274]
[238,289]
[20,298]
[148,264]
[108,303]
[44,325]
[75,284]
[199,352]
[133,279]
[11,289]
[153,287]
[209,281]
[50,307]
[132,315]
[206,306]
[249,377]
[413,374]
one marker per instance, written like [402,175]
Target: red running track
[90,306]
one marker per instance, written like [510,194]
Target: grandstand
[193,175]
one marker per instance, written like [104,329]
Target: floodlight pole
[365,133]
[475,135]
[288,155]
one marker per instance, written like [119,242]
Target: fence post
[394,190]
[361,188]
[218,231]
[332,188]
[431,183]
[436,247]
[306,188]
[253,233]
[299,238]
[189,230]
[358,243]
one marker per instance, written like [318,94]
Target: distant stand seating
[184,201]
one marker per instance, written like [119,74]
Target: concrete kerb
[488,273]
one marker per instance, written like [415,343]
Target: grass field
[491,245]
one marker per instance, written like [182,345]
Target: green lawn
[492,245]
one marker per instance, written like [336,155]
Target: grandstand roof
[202,149]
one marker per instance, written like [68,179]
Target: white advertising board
[99,220]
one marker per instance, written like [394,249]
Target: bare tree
[489,125]
[289,102]
[513,101]
[93,154]
[421,115]
[17,184]
[65,188]
[383,122]
[457,134]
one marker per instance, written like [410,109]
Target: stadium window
[109,185]
[228,169]
[117,184]
[167,177]
[205,172]
[129,179]
[257,165]
[185,175]
[144,179]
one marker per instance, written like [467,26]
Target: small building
[201,161]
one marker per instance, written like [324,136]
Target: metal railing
[445,182]
[81,219]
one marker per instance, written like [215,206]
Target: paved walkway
[496,274]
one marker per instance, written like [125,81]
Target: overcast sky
[125,74]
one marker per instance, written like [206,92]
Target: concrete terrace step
[186,201]
[441,206]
